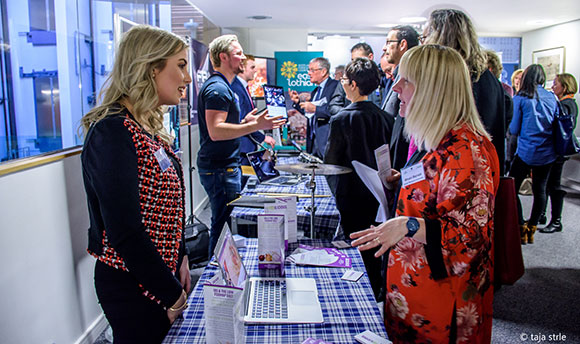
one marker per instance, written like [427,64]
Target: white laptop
[268,300]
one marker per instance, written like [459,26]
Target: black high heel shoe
[543,219]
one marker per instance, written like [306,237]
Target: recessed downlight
[413,19]
[259,17]
[387,25]
[540,22]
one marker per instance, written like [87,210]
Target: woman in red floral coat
[440,266]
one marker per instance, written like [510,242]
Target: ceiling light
[413,19]
[259,17]
[540,22]
[387,25]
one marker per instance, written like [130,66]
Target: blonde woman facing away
[135,190]
[440,268]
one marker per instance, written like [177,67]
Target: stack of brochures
[319,256]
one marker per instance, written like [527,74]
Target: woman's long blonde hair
[142,49]
[443,98]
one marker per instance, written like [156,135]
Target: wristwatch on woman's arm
[412,227]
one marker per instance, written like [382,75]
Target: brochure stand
[223,309]
[271,242]
[287,207]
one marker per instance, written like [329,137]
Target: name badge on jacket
[162,159]
[412,174]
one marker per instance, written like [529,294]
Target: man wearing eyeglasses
[339,100]
[316,110]
[399,40]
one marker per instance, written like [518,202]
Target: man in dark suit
[399,40]
[339,100]
[387,80]
[240,88]
[316,110]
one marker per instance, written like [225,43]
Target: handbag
[196,241]
[509,262]
[565,141]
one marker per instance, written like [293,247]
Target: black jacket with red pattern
[136,210]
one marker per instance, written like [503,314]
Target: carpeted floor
[546,300]
[544,305]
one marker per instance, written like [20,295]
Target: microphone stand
[312,207]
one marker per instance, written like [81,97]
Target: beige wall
[264,42]
[46,281]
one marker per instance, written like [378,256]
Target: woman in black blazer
[355,133]
[135,188]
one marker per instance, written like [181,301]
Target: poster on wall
[553,60]
[292,69]
[265,74]
[292,73]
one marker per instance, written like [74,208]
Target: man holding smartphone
[220,130]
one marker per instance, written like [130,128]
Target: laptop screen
[229,260]
[263,164]
[275,100]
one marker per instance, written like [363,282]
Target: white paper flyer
[222,322]
[371,179]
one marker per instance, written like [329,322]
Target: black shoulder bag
[565,141]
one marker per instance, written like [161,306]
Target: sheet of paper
[316,103]
[352,275]
[239,325]
[340,244]
[315,341]
[320,256]
[218,306]
[315,258]
[372,181]
[319,102]
[383,159]
[369,337]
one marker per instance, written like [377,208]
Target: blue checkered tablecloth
[348,308]
[326,217]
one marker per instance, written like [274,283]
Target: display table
[348,308]
[326,217]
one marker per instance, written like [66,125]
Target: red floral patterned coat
[446,283]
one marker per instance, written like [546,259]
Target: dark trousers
[222,186]
[554,188]
[357,219]
[519,170]
[133,317]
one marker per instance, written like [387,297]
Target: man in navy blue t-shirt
[220,129]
